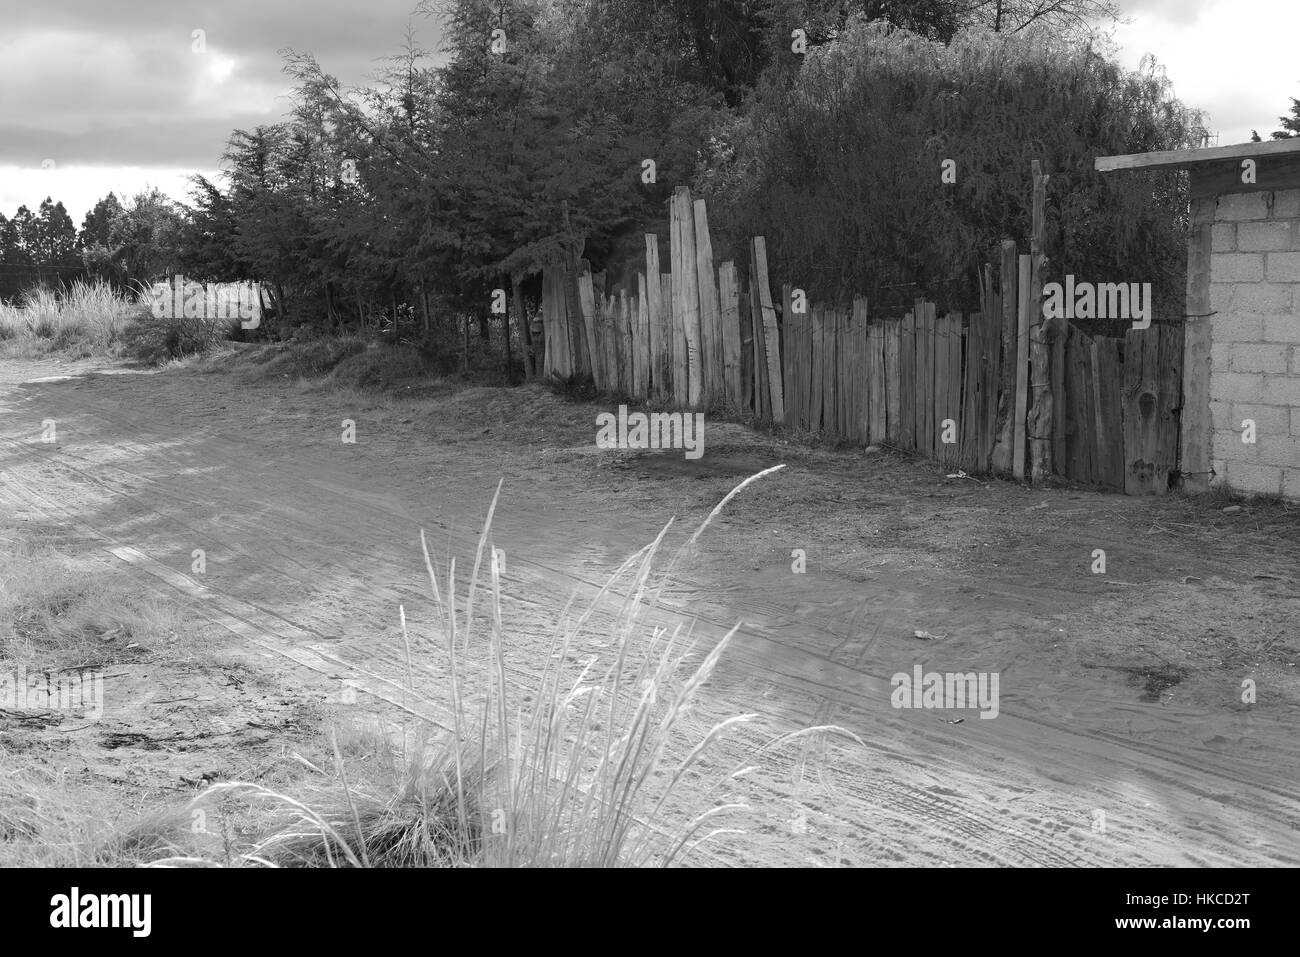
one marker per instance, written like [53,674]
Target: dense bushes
[841,168]
[155,341]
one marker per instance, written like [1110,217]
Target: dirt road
[1121,736]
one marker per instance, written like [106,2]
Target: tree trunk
[505,329]
[525,331]
[281,312]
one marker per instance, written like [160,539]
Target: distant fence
[955,388]
[17,279]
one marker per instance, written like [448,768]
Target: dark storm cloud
[116,82]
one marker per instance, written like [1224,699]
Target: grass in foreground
[57,613]
[582,765]
[584,769]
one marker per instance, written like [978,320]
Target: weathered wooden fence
[955,388]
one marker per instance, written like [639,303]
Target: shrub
[840,168]
[382,368]
[155,341]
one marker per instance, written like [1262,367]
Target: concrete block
[1257,237]
[1237,267]
[1239,207]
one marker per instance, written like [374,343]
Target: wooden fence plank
[548,326]
[587,303]
[686,284]
[559,354]
[578,332]
[1088,412]
[746,348]
[1056,350]
[762,395]
[972,407]
[713,384]
[661,345]
[628,377]
[789,361]
[599,335]
[1079,439]
[893,341]
[854,373]
[614,342]
[943,411]
[907,381]
[1107,388]
[802,345]
[849,375]
[771,334]
[641,335]
[828,379]
[951,404]
[1152,395]
[878,426]
[956,399]
[843,383]
[673,341]
[609,339]
[923,379]
[817,370]
[729,307]
[954,342]
[929,445]
[1040,428]
[681,358]
[988,370]
[1021,408]
[830,373]
[1009,337]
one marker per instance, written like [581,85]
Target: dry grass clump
[86,318]
[58,614]
[581,769]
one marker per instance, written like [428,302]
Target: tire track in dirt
[945,816]
[395,663]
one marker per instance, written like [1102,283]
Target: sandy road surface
[1120,694]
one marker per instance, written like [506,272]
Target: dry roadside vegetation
[91,319]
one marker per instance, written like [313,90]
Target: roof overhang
[1219,169]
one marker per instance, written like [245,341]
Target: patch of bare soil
[1146,713]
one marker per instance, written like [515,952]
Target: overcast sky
[100,95]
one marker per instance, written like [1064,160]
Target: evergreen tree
[1290,124]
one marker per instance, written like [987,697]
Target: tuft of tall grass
[87,317]
[585,769]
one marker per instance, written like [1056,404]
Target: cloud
[119,81]
[80,187]
[1232,58]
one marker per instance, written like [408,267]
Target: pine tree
[1290,124]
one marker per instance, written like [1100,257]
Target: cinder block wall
[1255,341]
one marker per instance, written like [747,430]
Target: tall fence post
[1041,429]
[1022,370]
